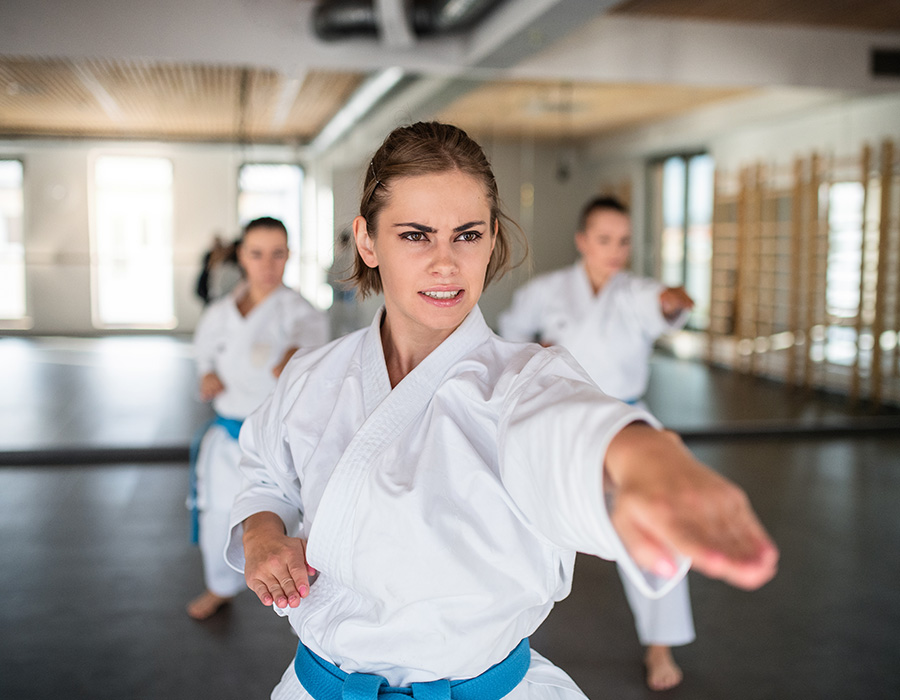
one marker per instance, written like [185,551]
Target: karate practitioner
[415,491]
[608,319]
[242,343]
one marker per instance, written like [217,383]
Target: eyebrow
[429,229]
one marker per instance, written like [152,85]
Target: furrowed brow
[417,227]
[467,226]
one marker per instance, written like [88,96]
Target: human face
[605,244]
[433,244]
[263,254]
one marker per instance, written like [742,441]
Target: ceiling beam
[621,49]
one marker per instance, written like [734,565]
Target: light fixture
[359,104]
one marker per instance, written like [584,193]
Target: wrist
[263,525]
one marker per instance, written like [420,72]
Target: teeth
[441,295]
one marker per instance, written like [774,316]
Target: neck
[403,351]
[598,280]
[252,297]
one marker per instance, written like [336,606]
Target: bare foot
[662,671]
[205,605]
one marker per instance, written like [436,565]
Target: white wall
[56,221]
[750,131]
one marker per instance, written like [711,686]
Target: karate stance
[242,343]
[608,319]
[415,491]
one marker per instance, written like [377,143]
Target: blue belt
[325,681]
[233,427]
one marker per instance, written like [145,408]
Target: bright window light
[12,249]
[132,243]
[685,201]
[274,189]
[845,248]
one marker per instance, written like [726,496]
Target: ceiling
[872,14]
[569,110]
[254,71]
[143,100]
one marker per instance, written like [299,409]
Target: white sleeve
[270,482]
[522,320]
[647,305]
[553,439]
[205,340]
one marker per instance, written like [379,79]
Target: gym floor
[96,564]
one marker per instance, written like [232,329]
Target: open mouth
[443,295]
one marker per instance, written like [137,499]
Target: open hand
[666,501]
[275,565]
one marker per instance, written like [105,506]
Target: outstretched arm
[665,501]
[275,565]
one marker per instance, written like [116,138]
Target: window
[274,190]
[683,199]
[845,248]
[12,249]
[844,274]
[132,243]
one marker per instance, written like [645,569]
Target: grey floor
[95,563]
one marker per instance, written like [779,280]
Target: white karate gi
[443,516]
[242,351]
[611,335]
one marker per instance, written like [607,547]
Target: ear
[365,244]
[579,242]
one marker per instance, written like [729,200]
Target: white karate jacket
[611,334]
[244,350]
[443,516]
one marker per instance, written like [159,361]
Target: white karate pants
[218,482]
[666,621]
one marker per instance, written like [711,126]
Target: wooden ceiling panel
[883,15]
[132,99]
[547,110]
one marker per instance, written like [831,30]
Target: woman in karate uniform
[609,319]
[242,343]
[415,491]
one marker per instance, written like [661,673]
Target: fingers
[704,517]
[745,555]
[261,591]
[676,299]
[275,567]
[747,564]
[284,590]
[648,552]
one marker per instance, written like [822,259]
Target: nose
[443,263]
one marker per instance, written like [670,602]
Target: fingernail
[304,591]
